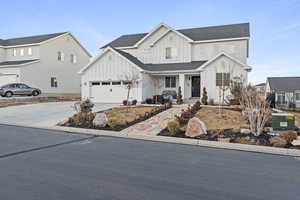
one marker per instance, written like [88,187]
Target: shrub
[196,107]
[211,102]
[179,96]
[82,119]
[112,123]
[86,106]
[125,102]
[289,136]
[149,101]
[173,126]
[134,102]
[204,97]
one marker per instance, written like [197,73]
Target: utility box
[283,121]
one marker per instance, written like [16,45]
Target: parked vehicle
[18,89]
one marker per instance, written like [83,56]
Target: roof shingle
[17,62]
[196,34]
[287,84]
[29,40]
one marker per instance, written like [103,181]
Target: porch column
[182,84]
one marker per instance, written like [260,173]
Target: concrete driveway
[42,114]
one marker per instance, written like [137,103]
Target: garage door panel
[111,93]
[6,79]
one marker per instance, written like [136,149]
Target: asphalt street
[41,164]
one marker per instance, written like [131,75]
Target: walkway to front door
[196,86]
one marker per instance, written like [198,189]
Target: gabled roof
[17,63]
[247,67]
[196,34]
[287,84]
[29,40]
[170,67]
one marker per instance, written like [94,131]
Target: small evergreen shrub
[173,126]
[125,102]
[134,102]
[204,97]
[179,96]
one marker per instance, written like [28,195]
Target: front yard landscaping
[115,119]
[229,126]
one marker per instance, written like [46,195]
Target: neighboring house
[261,88]
[286,91]
[165,59]
[50,62]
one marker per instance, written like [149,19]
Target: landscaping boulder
[195,128]
[245,131]
[296,143]
[278,141]
[100,120]
[289,136]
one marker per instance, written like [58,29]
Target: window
[29,51]
[281,98]
[73,59]
[222,79]
[170,82]
[23,86]
[14,52]
[60,56]
[171,52]
[105,83]
[53,82]
[95,83]
[297,96]
[116,83]
[21,52]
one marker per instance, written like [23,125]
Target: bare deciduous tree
[130,81]
[257,109]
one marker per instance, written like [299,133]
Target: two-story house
[50,62]
[165,59]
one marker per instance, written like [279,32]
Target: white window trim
[173,53]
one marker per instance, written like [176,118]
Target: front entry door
[196,86]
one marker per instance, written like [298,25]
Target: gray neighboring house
[49,62]
[286,91]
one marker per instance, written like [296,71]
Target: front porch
[190,84]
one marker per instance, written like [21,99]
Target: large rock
[278,141]
[195,128]
[100,120]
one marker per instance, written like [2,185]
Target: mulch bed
[123,126]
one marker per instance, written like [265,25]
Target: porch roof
[174,66]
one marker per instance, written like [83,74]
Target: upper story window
[14,52]
[21,52]
[60,56]
[29,51]
[73,59]
[170,82]
[171,52]
[297,96]
[53,82]
[222,79]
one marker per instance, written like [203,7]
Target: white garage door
[6,79]
[110,92]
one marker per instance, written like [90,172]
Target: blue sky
[275,24]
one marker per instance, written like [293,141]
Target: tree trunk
[128,95]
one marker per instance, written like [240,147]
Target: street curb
[186,141]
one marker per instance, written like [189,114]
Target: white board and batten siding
[221,65]
[111,69]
